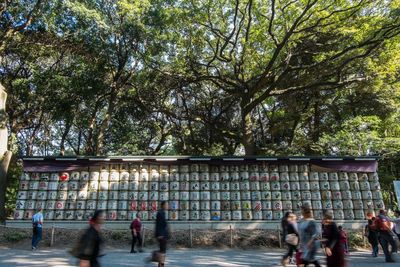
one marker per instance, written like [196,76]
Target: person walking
[90,245]
[372,235]
[332,245]
[291,238]
[136,229]
[384,227]
[162,232]
[343,240]
[309,234]
[396,222]
[284,223]
[37,227]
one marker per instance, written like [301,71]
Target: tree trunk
[64,136]
[106,123]
[247,128]
[3,183]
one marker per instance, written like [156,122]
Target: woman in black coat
[291,229]
[161,232]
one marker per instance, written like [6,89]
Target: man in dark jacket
[384,227]
[162,232]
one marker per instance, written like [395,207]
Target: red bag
[298,258]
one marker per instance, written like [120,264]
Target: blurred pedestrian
[284,222]
[37,227]
[162,232]
[385,237]
[343,239]
[309,235]
[332,245]
[90,246]
[136,229]
[372,234]
[396,222]
[291,238]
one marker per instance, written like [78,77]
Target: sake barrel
[303,168]
[273,168]
[32,195]
[275,186]
[295,186]
[255,195]
[50,204]
[72,195]
[215,186]
[314,186]
[214,177]
[293,168]
[325,185]
[163,196]
[336,195]
[194,177]
[204,168]
[266,195]
[153,205]
[358,204]
[337,204]
[69,215]
[134,176]
[353,176]
[253,167]
[143,176]
[373,177]
[247,215]
[266,205]
[112,215]
[173,186]
[215,205]
[26,177]
[60,205]
[235,168]
[96,176]
[327,204]
[184,177]
[306,203]
[184,186]
[205,205]
[81,204]
[124,176]
[333,176]
[123,185]
[348,214]
[64,176]
[363,177]
[274,176]
[216,195]
[83,186]
[20,205]
[194,186]
[174,215]
[287,205]
[146,215]
[59,215]
[84,176]
[134,205]
[225,195]
[285,186]
[375,186]
[318,214]
[264,177]
[70,205]
[205,195]
[314,176]
[344,185]
[377,195]
[356,195]
[143,205]
[284,177]
[174,195]
[233,186]
[131,215]
[277,205]
[114,195]
[306,195]
[28,214]
[286,195]
[359,214]
[365,186]
[53,195]
[174,177]
[195,195]
[297,205]
[267,214]
[103,185]
[294,177]
[246,205]
[43,185]
[135,195]
[368,204]
[236,215]
[348,204]
[265,186]
[277,215]
[112,204]
[154,186]
[346,195]
[304,185]
[343,176]
[174,205]
[184,215]
[114,176]
[245,195]
[194,205]
[224,176]
[52,185]
[254,186]
[316,195]
[204,186]
[254,177]
[194,215]
[334,185]
[326,195]
[154,176]
[122,205]
[215,215]
[316,205]
[296,195]
[122,215]
[143,195]
[235,176]
[232,205]
[379,204]
[88,215]
[226,215]
[304,177]
[61,195]
[245,185]
[33,185]
[93,186]
[323,176]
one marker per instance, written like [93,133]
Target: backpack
[384,224]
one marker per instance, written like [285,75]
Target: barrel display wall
[198,192]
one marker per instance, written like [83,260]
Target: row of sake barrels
[187,215]
[195,186]
[144,175]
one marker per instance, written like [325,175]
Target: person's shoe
[284,262]
[133,251]
[390,260]
[34,248]
[141,251]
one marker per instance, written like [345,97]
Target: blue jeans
[36,237]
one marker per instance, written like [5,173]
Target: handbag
[292,239]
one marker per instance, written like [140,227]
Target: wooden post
[190,235]
[144,236]
[52,235]
[231,235]
[279,237]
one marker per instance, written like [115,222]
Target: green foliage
[15,236]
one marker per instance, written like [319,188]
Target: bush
[15,236]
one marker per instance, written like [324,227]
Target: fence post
[231,235]
[279,237]
[144,236]
[190,235]
[52,235]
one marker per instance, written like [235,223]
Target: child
[343,240]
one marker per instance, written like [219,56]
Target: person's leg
[140,241]
[133,243]
[33,239]
[385,246]
[392,243]
[39,236]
